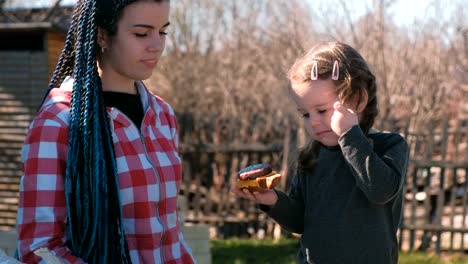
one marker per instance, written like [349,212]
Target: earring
[336,71]
[103,50]
[314,71]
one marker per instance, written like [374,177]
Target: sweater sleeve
[289,209]
[42,207]
[379,177]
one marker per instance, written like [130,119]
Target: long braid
[78,173]
[95,229]
[66,61]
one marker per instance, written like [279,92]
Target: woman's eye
[322,111]
[141,35]
[163,33]
[305,115]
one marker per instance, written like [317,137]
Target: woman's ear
[102,39]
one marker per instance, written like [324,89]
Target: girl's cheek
[310,131]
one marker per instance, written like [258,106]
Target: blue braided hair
[95,231]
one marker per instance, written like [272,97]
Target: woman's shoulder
[161,106]
[156,101]
[56,106]
[164,104]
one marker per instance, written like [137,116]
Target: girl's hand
[266,197]
[342,119]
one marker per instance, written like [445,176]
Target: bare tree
[230,59]
[414,71]
[226,65]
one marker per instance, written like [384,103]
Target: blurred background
[224,73]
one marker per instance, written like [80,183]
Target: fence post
[289,152]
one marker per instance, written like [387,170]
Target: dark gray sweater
[349,209]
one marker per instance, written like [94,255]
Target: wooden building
[31,40]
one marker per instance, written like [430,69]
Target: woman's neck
[114,82]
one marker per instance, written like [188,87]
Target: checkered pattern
[149,171]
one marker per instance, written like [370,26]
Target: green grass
[235,251]
[242,251]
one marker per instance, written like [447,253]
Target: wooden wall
[54,44]
[23,80]
[24,77]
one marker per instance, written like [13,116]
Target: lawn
[237,251]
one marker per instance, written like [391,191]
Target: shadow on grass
[431,258]
[244,251]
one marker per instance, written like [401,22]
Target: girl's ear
[358,102]
[102,39]
[363,102]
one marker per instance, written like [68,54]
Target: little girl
[346,198]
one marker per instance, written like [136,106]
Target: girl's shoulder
[385,140]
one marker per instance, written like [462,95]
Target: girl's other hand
[266,197]
[342,119]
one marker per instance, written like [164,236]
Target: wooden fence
[435,212]
[435,209]
[436,190]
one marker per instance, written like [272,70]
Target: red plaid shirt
[149,171]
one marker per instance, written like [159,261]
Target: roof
[36,4]
[28,14]
[25,26]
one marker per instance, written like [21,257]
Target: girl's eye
[305,115]
[163,33]
[141,35]
[322,111]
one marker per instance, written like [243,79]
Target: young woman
[101,165]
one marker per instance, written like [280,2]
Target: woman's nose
[156,44]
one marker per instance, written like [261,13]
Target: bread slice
[268,181]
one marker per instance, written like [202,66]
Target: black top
[348,210]
[129,104]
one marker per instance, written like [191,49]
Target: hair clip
[336,71]
[314,71]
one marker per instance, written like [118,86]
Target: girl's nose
[314,120]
